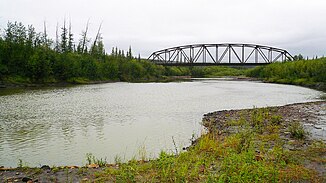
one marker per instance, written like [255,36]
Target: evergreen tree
[46,42]
[31,37]
[129,53]
[70,40]
[26,53]
[64,38]
[57,44]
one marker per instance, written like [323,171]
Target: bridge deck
[226,54]
[212,64]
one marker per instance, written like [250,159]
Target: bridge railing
[220,54]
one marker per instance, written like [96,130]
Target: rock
[72,167]
[202,169]
[17,173]
[45,167]
[93,166]
[259,157]
[85,179]
[6,169]
[26,179]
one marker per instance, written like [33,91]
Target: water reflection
[58,126]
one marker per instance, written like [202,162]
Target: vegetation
[297,130]
[31,57]
[254,152]
[310,73]
[28,56]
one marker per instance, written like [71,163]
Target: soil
[312,115]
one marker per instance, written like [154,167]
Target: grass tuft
[297,131]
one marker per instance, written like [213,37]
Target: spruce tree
[64,38]
[70,40]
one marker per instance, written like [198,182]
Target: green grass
[216,71]
[254,153]
[297,131]
[91,159]
[78,80]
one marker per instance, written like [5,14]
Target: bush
[303,72]
[297,131]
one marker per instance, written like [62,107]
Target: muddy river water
[59,126]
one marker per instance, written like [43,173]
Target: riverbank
[307,73]
[10,84]
[262,144]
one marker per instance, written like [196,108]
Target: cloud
[149,25]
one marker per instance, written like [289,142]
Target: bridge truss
[220,54]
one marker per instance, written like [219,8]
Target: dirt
[56,174]
[312,115]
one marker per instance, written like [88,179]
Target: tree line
[302,72]
[32,56]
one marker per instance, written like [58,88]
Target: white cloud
[149,25]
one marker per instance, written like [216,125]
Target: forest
[28,56]
[310,73]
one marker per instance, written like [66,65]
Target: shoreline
[16,85]
[13,85]
[310,114]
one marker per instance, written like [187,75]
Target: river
[58,126]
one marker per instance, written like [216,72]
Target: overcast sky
[149,25]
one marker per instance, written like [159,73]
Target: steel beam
[190,54]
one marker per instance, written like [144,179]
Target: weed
[175,146]
[297,131]
[20,163]
[82,171]
[127,174]
[117,160]
[276,120]
[257,119]
[142,153]
[91,159]
[55,169]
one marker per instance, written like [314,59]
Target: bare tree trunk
[97,35]
[57,39]
[85,37]
[45,35]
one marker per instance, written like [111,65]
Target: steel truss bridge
[220,54]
